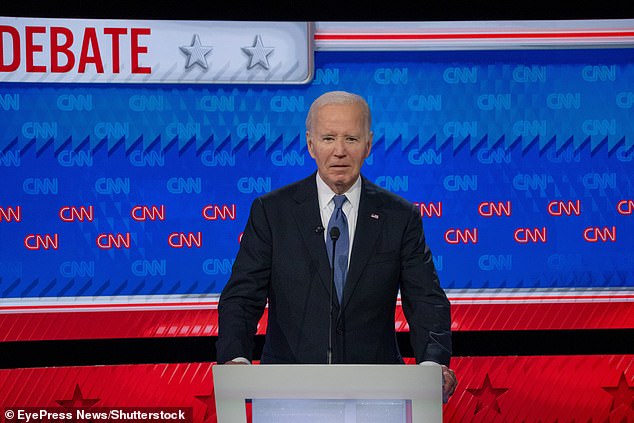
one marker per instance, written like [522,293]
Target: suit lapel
[369,222]
[308,219]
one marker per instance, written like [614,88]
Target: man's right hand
[238,360]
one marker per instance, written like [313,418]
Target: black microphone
[334,236]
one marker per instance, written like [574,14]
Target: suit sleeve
[425,304]
[243,299]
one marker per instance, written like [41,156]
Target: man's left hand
[449,382]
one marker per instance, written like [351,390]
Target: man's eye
[352,140]
[328,139]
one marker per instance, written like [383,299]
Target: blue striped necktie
[339,220]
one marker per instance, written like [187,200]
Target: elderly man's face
[339,141]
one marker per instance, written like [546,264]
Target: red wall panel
[491,389]
[174,320]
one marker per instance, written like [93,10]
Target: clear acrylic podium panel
[329,393]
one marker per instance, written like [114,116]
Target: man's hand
[449,382]
[238,360]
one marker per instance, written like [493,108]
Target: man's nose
[340,147]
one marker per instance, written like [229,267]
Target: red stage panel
[174,321]
[491,389]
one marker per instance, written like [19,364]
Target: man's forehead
[326,129]
[329,115]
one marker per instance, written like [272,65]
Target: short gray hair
[338,97]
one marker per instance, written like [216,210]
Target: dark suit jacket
[283,259]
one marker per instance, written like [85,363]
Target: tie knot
[339,200]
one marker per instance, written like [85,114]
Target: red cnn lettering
[215,212]
[58,49]
[490,209]
[73,214]
[528,235]
[115,33]
[136,49]
[567,208]
[10,214]
[90,42]
[41,242]
[181,239]
[14,35]
[596,234]
[430,209]
[32,48]
[461,236]
[625,207]
[110,241]
[142,213]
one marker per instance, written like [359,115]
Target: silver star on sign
[196,53]
[259,53]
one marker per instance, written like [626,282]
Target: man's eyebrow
[348,134]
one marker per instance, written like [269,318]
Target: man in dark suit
[286,252]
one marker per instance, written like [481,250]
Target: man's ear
[369,146]
[309,144]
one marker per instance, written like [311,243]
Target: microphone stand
[334,236]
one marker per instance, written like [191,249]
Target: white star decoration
[259,53]
[196,53]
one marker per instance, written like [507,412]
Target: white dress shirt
[350,207]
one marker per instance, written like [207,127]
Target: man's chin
[342,174]
[339,180]
[342,186]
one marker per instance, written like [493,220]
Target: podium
[346,393]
